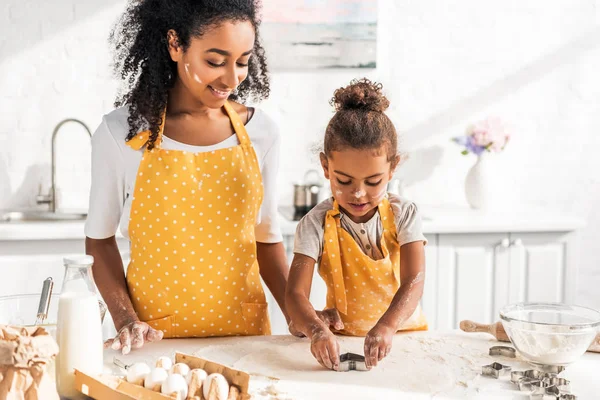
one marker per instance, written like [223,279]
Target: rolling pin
[497,331]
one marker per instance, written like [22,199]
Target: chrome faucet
[50,198]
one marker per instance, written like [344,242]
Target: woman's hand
[133,336]
[331,318]
[378,344]
[325,347]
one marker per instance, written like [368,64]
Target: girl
[188,173]
[368,243]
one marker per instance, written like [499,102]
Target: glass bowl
[550,333]
[21,310]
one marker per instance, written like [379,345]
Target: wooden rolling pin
[497,331]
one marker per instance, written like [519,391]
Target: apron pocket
[165,324]
[256,318]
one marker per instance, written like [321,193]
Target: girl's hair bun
[360,95]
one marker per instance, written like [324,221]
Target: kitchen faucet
[50,198]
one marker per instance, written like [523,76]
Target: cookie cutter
[543,385]
[517,376]
[567,396]
[552,369]
[552,393]
[561,383]
[503,351]
[352,362]
[532,374]
[533,386]
[538,375]
[495,370]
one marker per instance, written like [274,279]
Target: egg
[195,378]
[222,387]
[200,373]
[155,379]
[175,383]
[181,369]
[137,372]
[164,362]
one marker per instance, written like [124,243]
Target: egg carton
[117,388]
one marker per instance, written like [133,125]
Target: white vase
[478,185]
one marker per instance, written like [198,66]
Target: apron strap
[237,124]
[386,213]
[141,139]
[332,247]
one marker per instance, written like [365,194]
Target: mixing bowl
[550,333]
[21,309]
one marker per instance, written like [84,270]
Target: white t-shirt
[310,230]
[115,165]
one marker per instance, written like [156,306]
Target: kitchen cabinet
[26,263]
[476,274]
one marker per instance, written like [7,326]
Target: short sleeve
[267,230]
[310,232]
[107,194]
[409,227]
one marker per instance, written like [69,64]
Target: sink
[39,216]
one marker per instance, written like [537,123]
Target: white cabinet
[544,266]
[25,264]
[476,274]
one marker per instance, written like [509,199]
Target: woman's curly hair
[143,63]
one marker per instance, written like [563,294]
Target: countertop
[422,365]
[436,220]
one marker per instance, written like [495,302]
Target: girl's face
[358,179]
[215,63]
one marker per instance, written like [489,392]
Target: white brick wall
[443,64]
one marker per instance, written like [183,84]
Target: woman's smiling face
[216,63]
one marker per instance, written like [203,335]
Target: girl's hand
[325,348]
[378,344]
[133,335]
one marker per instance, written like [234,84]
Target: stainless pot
[306,194]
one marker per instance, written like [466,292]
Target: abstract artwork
[317,34]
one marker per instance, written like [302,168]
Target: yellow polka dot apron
[360,288]
[193,269]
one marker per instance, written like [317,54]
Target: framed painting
[319,34]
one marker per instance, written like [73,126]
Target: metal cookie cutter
[352,362]
[550,393]
[503,351]
[533,386]
[552,369]
[517,376]
[567,396]
[495,370]
[561,383]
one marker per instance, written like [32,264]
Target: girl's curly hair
[360,121]
[143,63]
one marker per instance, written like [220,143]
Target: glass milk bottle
[79,326]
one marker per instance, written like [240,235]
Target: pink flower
[491,133]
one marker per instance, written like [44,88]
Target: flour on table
[421,363]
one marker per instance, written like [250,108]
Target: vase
[478,185]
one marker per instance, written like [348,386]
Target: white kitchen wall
[443,65]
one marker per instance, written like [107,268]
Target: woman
[189,175]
